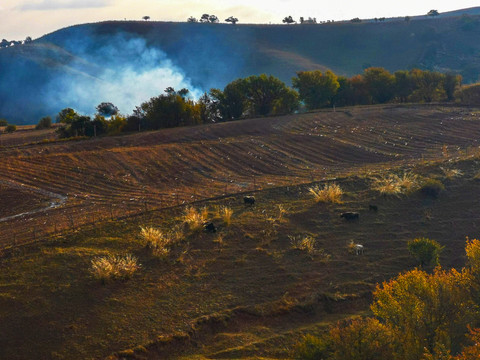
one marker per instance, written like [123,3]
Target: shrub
[10,128]
[312,348]
[451,173]
[432,187]
[195,219]
[44,123]
[3,122]
[114,267]
[330,193]
[425,250]
[362,339]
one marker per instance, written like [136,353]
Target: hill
[245,291]
[128,62]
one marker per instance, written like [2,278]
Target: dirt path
[57,199]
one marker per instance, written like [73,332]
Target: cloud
[64,4]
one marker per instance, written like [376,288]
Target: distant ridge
[127,62]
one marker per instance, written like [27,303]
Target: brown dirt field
[114,176]
[16,201]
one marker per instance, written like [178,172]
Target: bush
[114,267]
[432,187]
[312,348]
[10,128]
[157,241]
[226,214]
[469,95]
[44,123]
[425,250]
[3,122]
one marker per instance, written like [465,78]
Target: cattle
[350,216]
[249,200]
[210,227]
[358,249]
[373,208]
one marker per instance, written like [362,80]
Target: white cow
[358,249]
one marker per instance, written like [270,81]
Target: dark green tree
[380,84]
[44,123]
[316,90]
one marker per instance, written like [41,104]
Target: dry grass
[305,243]
[451,173]
[114,267]
[158,241]
[195,219]
[331,193]
[226,215]
[396,185]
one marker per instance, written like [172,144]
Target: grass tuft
[396,185]
[226,215]
[195,219]
[331,193]
[305,243]
[114,267]
[451,173]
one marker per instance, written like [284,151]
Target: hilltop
[128,62]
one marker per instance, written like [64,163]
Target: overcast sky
[22,18]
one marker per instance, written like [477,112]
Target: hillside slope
[128,62]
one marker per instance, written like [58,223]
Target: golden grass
[331,193]
[114,267]
[305,243]
[195,219]
[158,241]
[226,215]
[396,185]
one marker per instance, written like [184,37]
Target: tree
[425,250]
[316,89]
[451,84]
[288,20]
[28,40]
[231,102]
[3,122]
[404,85]
[107,109]
[356,20]
[213,19]
[146,18]
[362,339]
[205,18]
[267,95]
[428,85]
[433,13]
[191,19]
[44,123]
[66,116]
[232,20]
[10,128]
[380,84]
[425,310]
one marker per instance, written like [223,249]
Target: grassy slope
[250,294]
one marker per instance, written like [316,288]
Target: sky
[34,18]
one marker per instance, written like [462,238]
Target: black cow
[210,227]
[350,216]
[249,200]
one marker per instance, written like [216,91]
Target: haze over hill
[128,62]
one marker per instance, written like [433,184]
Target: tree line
[263,95]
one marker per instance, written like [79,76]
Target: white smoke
[127,73]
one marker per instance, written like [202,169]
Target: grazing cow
[358,249]
[350,216]
[249,200]
[210,227]
[373,208]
